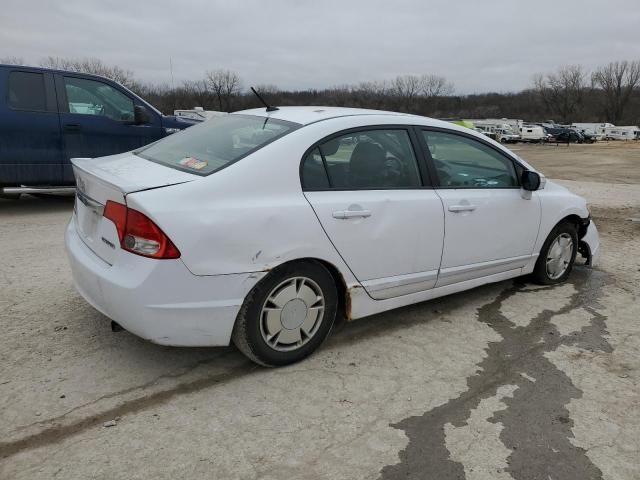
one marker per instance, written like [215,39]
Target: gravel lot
[507,381]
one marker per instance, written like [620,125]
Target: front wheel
[287,315]
[557,255]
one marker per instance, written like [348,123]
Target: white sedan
[262,226]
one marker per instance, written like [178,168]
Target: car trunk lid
[113,178]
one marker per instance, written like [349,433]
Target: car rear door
[30,143]
[367,189]
[98,119]
[491,227]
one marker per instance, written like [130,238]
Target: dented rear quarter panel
[249,217]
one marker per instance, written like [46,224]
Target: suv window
[90,97]
[462,162]
[370,159]
[26,91]
[216,143]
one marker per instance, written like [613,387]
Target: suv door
[30,143]
[366,188]
[98,119]
[490,226]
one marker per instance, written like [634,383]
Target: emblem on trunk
[108,243]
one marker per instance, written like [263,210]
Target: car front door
[367,190]
[98,119]
[491,226]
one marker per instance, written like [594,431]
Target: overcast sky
[489,45]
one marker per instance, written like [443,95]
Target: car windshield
[212,145]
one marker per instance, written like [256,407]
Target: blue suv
[49,116]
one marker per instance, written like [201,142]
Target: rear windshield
[216,143]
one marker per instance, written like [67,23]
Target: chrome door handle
[462,208]
[343,214]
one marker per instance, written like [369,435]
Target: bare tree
[226,85]
[617,81]
[198,90]
[407,88]
[371,94]
[12,60]
[94,66]
[562,92]
[436,86]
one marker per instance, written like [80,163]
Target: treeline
[610,93]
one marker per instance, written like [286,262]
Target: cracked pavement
[507,381]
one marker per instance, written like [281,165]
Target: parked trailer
[622,133]
[198,114]
[502,134]
[504,123]
[532,133]
[597,130]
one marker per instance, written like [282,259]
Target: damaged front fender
[589,245]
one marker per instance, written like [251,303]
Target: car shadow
[31,204]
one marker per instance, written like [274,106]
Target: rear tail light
[138,234]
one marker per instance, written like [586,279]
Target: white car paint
[397,268]
[233,226]
[489,238]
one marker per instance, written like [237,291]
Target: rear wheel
[287,315]
[557,255]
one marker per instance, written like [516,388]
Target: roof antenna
[270,108]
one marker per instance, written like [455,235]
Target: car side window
[91,97]
[366,160]
[26,91]
[462,162]
[314,175]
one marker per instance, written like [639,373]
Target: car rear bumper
[159,300]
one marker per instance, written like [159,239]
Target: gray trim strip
[399,280]
[475,267]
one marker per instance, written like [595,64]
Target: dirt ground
[507,381]
[611,162]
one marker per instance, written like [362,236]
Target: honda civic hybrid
[262,227]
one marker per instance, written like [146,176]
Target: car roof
[312,114]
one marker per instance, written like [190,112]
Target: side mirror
[530,180]
[140,115]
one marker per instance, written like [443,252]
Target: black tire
[247,334]
[540,273]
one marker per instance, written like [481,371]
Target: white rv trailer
[503,133]
[597,130]
[198,113]
[622,133]
[532,133]
[502,123]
